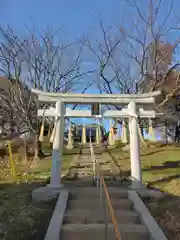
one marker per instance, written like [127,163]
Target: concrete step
[83,170]
[87,216]
[95,204]
[85,163]
[106,168]
[84,166]
[88,152]
[88,181]
[84,157]
[85,151]
[97,232]
[93,192]
[81,164]
[84,174]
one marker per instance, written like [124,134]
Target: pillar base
[69,146]
[126,147]
[136,185]
[46,193]
[152,140]
[144,192]
[55,186]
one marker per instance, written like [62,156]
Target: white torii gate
[60,112]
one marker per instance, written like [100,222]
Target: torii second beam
[73,98]
[124,113]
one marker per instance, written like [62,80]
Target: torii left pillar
[58,144]
[52,190]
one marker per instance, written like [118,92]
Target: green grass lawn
[160,169]
[21,218]
[39,170]
[43,167]
[160,165]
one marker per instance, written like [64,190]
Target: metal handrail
[111,210]
[100,183]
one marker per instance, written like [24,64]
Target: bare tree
[139,56]
[139,50]
[154,53]
[39,61]
[150,49]
[112,70]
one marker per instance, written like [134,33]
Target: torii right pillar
[136,173]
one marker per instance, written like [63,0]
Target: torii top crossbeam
[95,98]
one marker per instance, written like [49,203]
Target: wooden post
[166,132]
[111,135]
[83,138]
[124,132]
[53,132]
[97,135]
[151,131]
[41,135]
[11,160]
[100,135]
[70,141]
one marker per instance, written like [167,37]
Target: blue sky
[73,17]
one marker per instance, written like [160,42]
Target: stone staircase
[84,218]
[85,163]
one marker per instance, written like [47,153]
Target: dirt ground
[167,213]
[20,218]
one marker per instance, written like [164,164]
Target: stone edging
[155,231]
[53,232]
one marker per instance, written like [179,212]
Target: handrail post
[97,181]
[97,175]
[94,168]
[105,200]
[101,194]
[105,219]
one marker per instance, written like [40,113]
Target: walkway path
[83,215]
[84,218]
[82,165]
